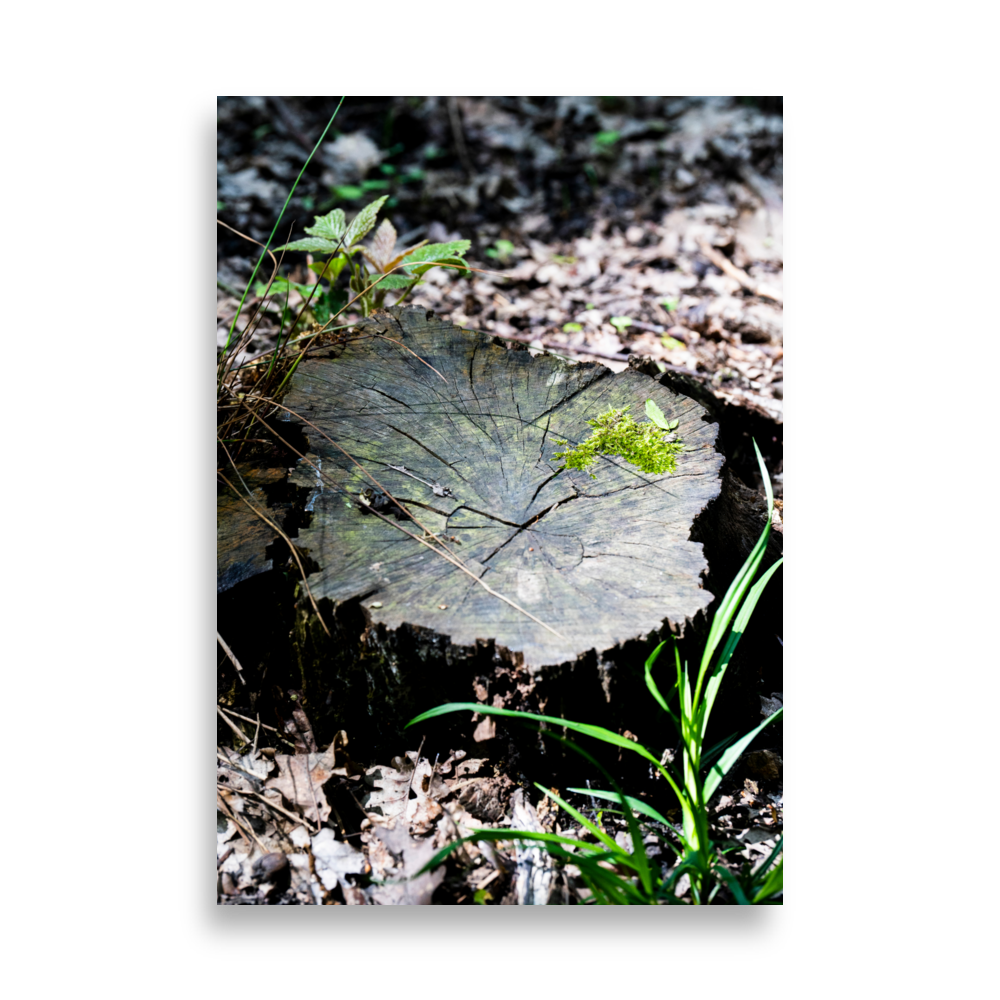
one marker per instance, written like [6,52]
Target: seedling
[388,268]
[620,322]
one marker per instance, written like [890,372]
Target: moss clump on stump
[645,445]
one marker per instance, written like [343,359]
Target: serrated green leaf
[363,222]
[330,226]
[313,245]
[422,269]
[389,282]
[436,252]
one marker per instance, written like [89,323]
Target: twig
[437,488]
[232,725]
[229,652]
[728,267]
[263,725]
[227,812]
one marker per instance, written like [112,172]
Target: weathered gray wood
[241,536]
[600,561]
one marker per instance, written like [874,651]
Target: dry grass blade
[249,326]
[229,653]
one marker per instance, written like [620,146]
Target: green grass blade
[767,863]
[726,761]
[734,595]
[708,756]
[277,223]
[654,690]
[739,627]
[637,805]
[498,835]
[598,732]
[772,884]
[583,821]
[734,885]
[637,857]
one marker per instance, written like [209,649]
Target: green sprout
[620,322]
[652,447]
[503,250]
[572,327]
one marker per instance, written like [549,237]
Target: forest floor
[606,229]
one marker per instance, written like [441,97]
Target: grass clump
[651,446]
[625,875]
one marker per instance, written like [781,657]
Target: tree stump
[462,432]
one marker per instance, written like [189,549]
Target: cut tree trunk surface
[598,560]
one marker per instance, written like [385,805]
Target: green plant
[613,873]
[323,303]
[605,140]
[653,446]
[376,268]
[620,322]
[352,192]
[502,251]
[264,249]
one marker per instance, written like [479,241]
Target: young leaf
[657,416]
[383,248]
[437,251]
[330,226]
[313,244]
[389,282]
[362,223]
